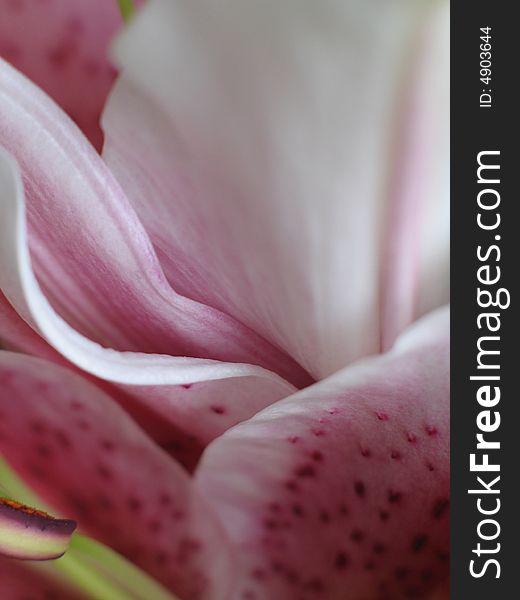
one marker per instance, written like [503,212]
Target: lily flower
[228,385]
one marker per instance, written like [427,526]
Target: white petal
[256,141]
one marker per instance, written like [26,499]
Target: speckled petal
[345,485]
[87,459]
[34,581]
[62,45]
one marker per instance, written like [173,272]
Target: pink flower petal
[85,457]
[90,252]
[37,582]
[255,141]
[345,485]
[62,45]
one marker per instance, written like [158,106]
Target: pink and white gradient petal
[90,252]
[256,142]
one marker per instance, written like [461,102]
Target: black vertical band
[485,328]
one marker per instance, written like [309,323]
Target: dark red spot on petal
[443,556]
[134,504]
[357,536]
[379,548]
[43,450]
[292,486]
[38,427]
[270,524]
[60,56]
[79,505]
[307,470]
[317,456]
[75,25]
[63,439]
[341,561]
[277,566]
[104,472]
[165,499]
[394,497]
[16,6]
[83,424]
[382,416]
[360,489]
[154,525]
[419,542]
[370,565]
[324,516]
[107,445]
[440,507]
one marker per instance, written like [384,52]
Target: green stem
[127,8]
[128,576]
[96,585]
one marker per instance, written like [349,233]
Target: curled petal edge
[131,368]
